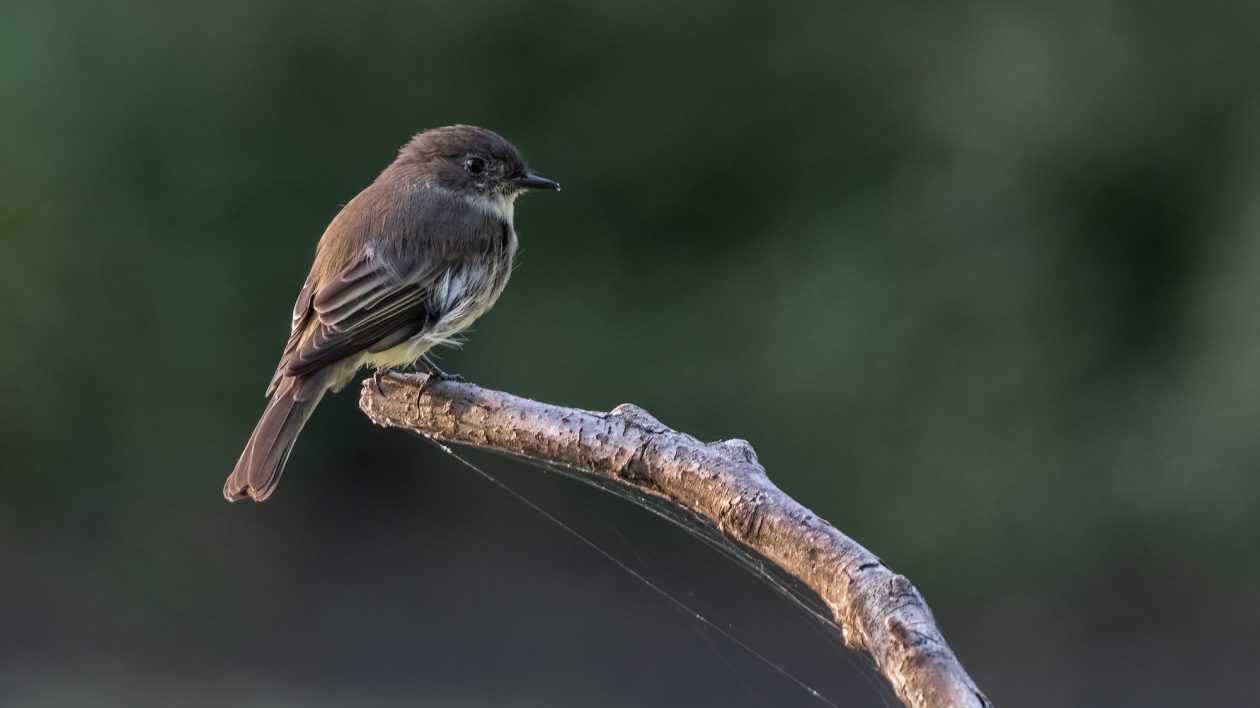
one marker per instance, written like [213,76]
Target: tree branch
[878,611]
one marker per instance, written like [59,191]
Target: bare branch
[878,611]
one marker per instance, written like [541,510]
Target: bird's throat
[498,205]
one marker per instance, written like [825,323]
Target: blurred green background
[981,284]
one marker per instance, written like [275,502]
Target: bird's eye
[475,165]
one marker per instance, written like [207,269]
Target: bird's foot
[376,380]
[435,372]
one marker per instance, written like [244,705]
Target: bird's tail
[258,471]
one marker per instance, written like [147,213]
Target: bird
[412,260]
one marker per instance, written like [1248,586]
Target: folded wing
[366,305]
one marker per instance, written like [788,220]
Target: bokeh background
[981,284]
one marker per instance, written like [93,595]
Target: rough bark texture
[879,611]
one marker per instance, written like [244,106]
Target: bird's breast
[460,295]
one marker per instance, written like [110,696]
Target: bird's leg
[376,379]
[419,367]
[423,365]
[436,372]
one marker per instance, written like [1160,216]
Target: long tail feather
[258,471]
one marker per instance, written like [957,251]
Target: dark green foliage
[982,285]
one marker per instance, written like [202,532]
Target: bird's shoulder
[397,221]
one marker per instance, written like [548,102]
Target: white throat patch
[500,205]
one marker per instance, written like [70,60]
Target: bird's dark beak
[533,180]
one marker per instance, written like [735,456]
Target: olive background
[981,284]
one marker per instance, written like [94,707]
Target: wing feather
[367,303]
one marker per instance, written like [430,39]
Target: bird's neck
[498,205]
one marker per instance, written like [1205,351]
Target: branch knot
[637,416]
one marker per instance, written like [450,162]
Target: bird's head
[477,163]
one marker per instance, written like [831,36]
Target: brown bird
[409,262]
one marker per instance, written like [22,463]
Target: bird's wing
[302,312]
[366,303]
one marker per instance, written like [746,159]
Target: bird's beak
[533,180]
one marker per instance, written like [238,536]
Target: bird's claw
[434,373]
